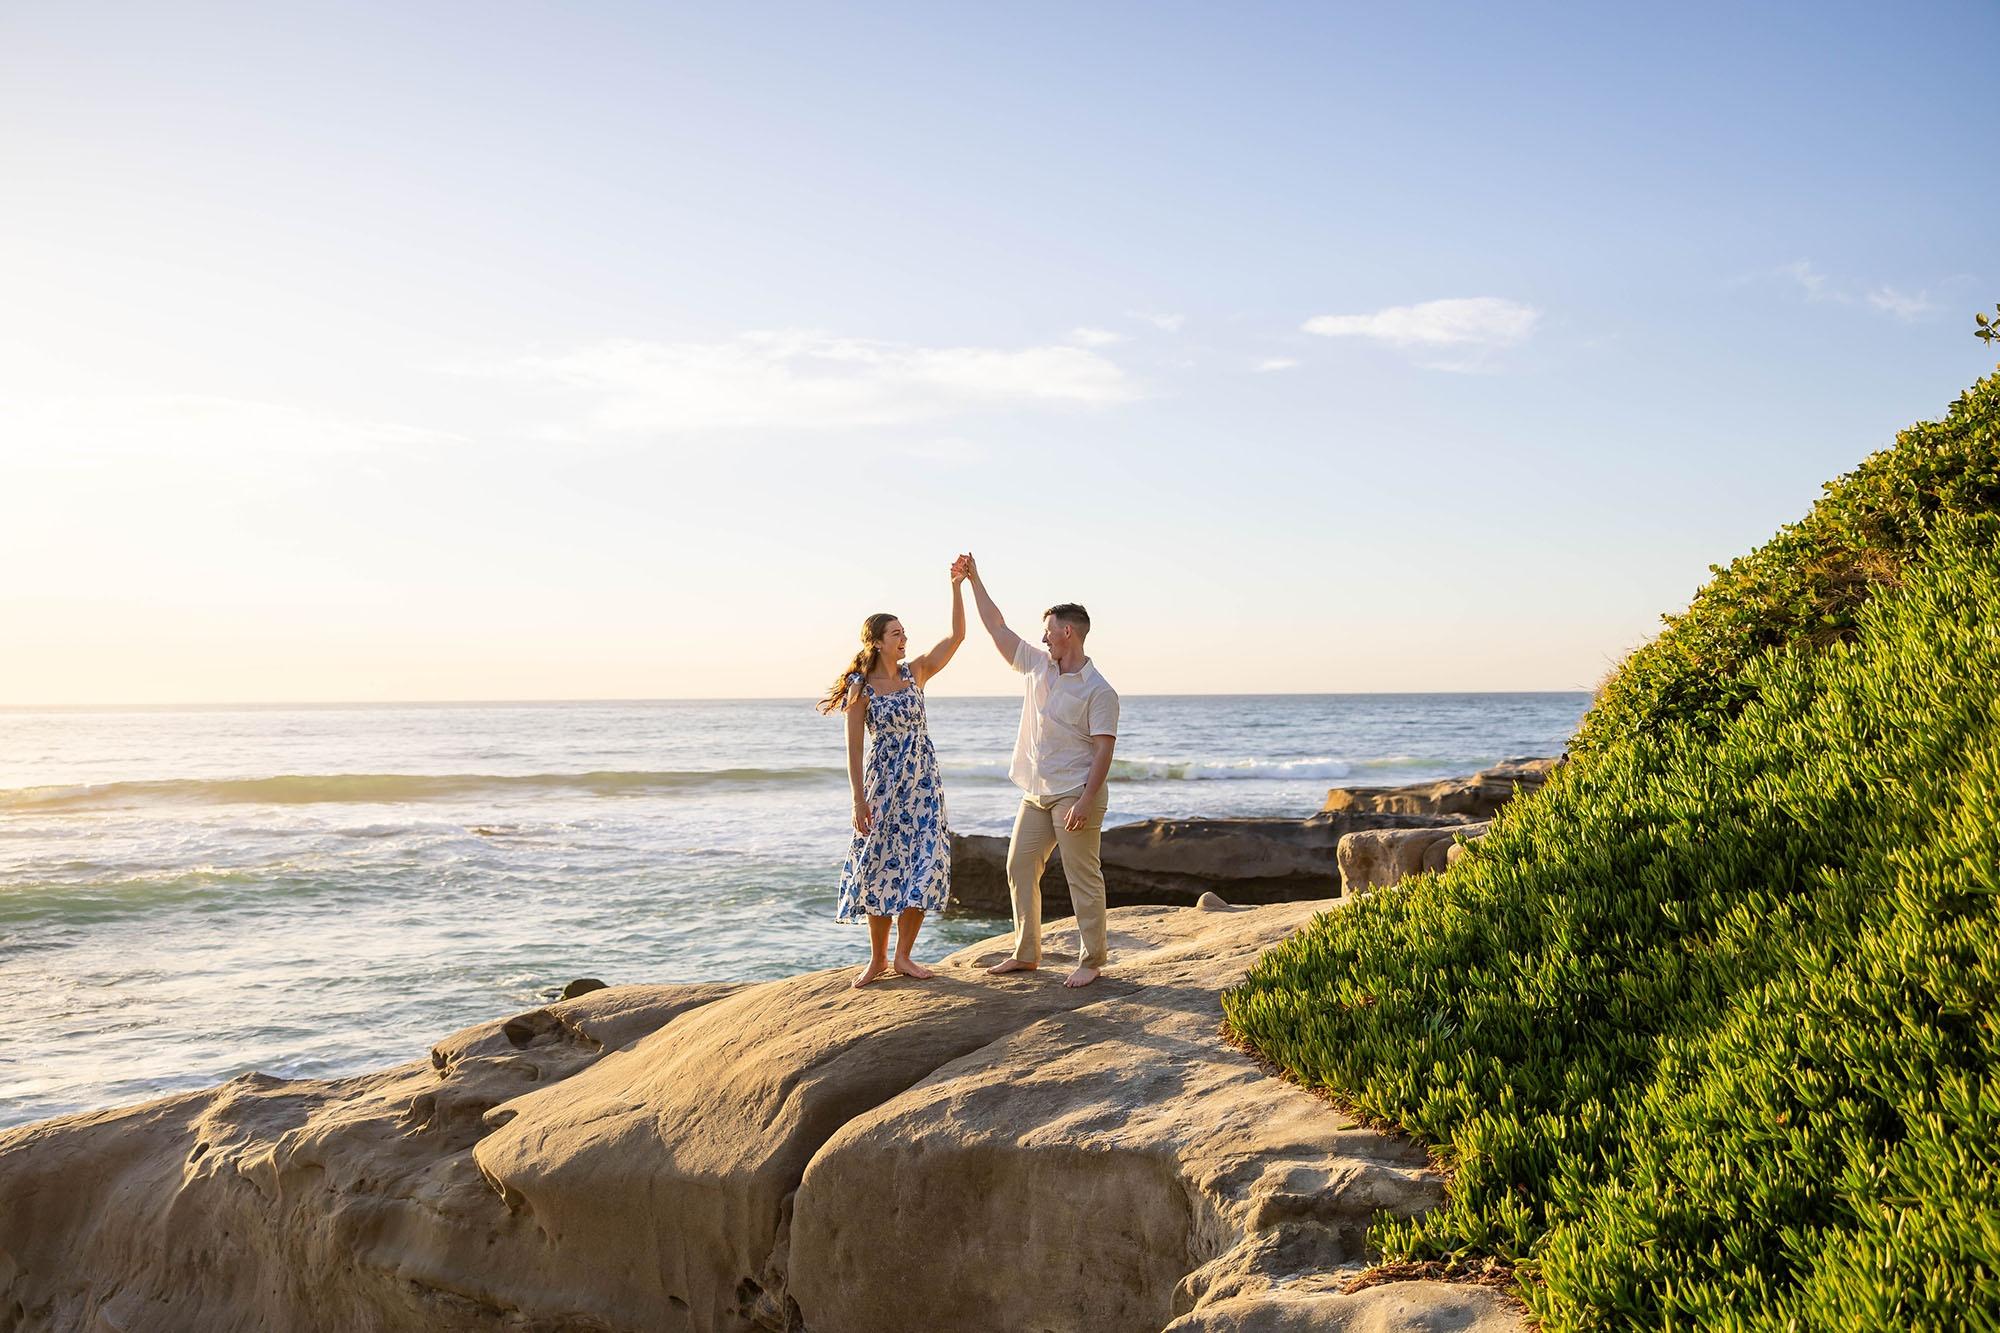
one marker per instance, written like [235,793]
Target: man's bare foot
[1011,965]
[1083,976]
[876,967]
[910,967]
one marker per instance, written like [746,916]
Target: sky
[508,351]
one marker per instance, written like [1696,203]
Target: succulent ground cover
[1708,1032]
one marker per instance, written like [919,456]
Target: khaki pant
[1037,828]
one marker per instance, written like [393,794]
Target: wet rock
[1174,861]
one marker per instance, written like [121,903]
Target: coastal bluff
[972,1152]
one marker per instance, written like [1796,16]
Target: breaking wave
[386,788]
[1144,769]
[416,788]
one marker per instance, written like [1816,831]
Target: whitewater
[187,894]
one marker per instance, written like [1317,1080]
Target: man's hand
[961,569]
[1100,772]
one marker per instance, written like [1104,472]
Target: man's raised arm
[1006,640]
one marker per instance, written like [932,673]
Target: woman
[899,864]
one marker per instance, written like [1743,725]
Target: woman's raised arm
[936,659]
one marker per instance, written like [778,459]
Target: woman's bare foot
[1011,965]
[1083,976]
[876,967]
[910,967]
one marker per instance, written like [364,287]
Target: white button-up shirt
[1059,715]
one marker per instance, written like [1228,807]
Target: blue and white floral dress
[905,861]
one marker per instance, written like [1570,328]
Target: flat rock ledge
[972,1152]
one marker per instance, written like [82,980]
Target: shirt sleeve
[1024,657]
[1104,712]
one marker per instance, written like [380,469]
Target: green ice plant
[1707,1033]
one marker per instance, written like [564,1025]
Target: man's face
[1057,636]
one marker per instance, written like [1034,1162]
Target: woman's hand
[864,818]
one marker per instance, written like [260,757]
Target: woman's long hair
[865,661]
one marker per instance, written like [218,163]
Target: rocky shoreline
[967,1153]
[1175,861]
[793,1156]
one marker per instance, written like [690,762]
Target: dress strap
[904,671]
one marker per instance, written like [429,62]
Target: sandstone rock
[274,1204]
[1212,902]
[1319,1307]
[1478,797]
[1175,861]
[1378,858]
[1107,1167]
[967,1153]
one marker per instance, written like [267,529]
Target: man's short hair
[1072,615]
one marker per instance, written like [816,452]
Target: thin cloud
[1810,281]
[1164,323]
[1903,305]
[1478,321]
[1275,363]
[1089,337]
[805,380]
[1818,288]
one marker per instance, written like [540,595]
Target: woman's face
[895,643]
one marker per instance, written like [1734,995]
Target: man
[1062,754]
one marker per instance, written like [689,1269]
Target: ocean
[190,893]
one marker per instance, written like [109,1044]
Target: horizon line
[806,700]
